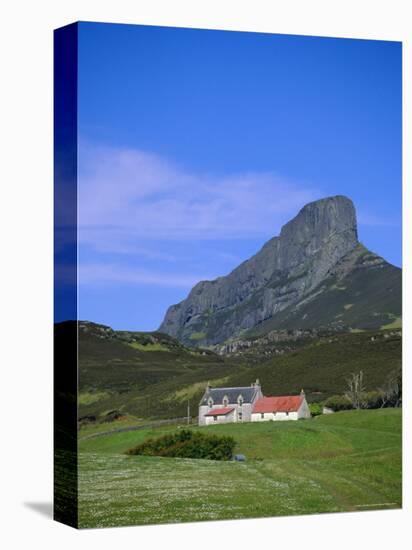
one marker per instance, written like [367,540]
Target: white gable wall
[304,411]
[203,409]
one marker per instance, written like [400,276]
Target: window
[210,402]
[262,415]
[225,401]
[287,414]
[239,415]
[240,400]
[215,418]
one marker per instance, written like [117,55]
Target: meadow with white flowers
[349,461]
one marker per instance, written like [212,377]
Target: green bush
[315,409]
[368,400]
[187,444]
[338,403]
[372,400]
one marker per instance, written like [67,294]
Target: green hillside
[117,360]
[349,461]
[323,365]
[150,375]
[129,371]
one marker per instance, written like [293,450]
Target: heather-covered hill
[128,373]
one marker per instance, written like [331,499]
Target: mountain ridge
[303,264]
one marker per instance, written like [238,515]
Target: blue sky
[196,146]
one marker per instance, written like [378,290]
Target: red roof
[219,412]
[284,403]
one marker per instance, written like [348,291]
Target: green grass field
[347,461]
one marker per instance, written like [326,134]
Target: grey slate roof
[217,394]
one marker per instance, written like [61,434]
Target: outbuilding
[283,407]
[225,414]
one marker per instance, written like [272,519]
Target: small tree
[338,403]
[356,390]
[392,390]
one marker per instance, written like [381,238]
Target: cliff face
[284,273]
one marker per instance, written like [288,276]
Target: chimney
[257,383]
[302,392]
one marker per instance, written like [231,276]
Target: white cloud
[126,195]
[371,220]
[104,273]
[130,200]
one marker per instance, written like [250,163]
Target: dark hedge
[187,444]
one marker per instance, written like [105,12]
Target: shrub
[111,416]
[315,409]
[372,399]
[187,444]
[338,403]
[87,419]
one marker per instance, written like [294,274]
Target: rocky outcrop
[289,268]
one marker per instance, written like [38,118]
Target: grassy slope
[343,462]
[368,298]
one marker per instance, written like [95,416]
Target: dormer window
[210,402]
[240,400]
[225,401]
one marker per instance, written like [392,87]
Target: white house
[285,407]
[220,405]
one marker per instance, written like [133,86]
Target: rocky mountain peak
[323,218]
[329,220]
[286,272]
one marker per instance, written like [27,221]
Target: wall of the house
[257,417]
[304,411]
[246,412]
[221,419]
[203,409]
